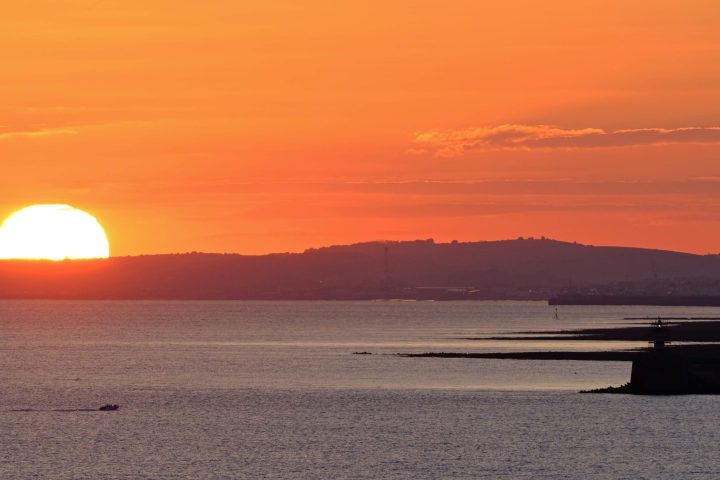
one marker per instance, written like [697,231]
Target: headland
[690,367]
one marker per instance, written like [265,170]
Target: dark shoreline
[599,356]
[679,331]
[663,369]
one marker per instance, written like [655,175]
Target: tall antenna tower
[387,282]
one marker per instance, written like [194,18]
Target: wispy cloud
[43,132]
[452,143]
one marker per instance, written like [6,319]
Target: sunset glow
[277,125]
[52,232]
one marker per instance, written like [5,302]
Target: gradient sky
[258,126]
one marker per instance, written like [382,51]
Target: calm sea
[222,390]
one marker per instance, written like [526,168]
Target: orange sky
[258,126]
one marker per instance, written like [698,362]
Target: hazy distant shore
[521,269]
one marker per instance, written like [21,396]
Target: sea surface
[224,390]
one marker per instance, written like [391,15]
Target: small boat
[109,407]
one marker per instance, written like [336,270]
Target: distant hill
[511,269]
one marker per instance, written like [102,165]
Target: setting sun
[52,232]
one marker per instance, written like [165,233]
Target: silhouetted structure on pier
[662,371]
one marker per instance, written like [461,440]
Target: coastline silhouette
[523,269]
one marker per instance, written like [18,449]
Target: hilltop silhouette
[510,269]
